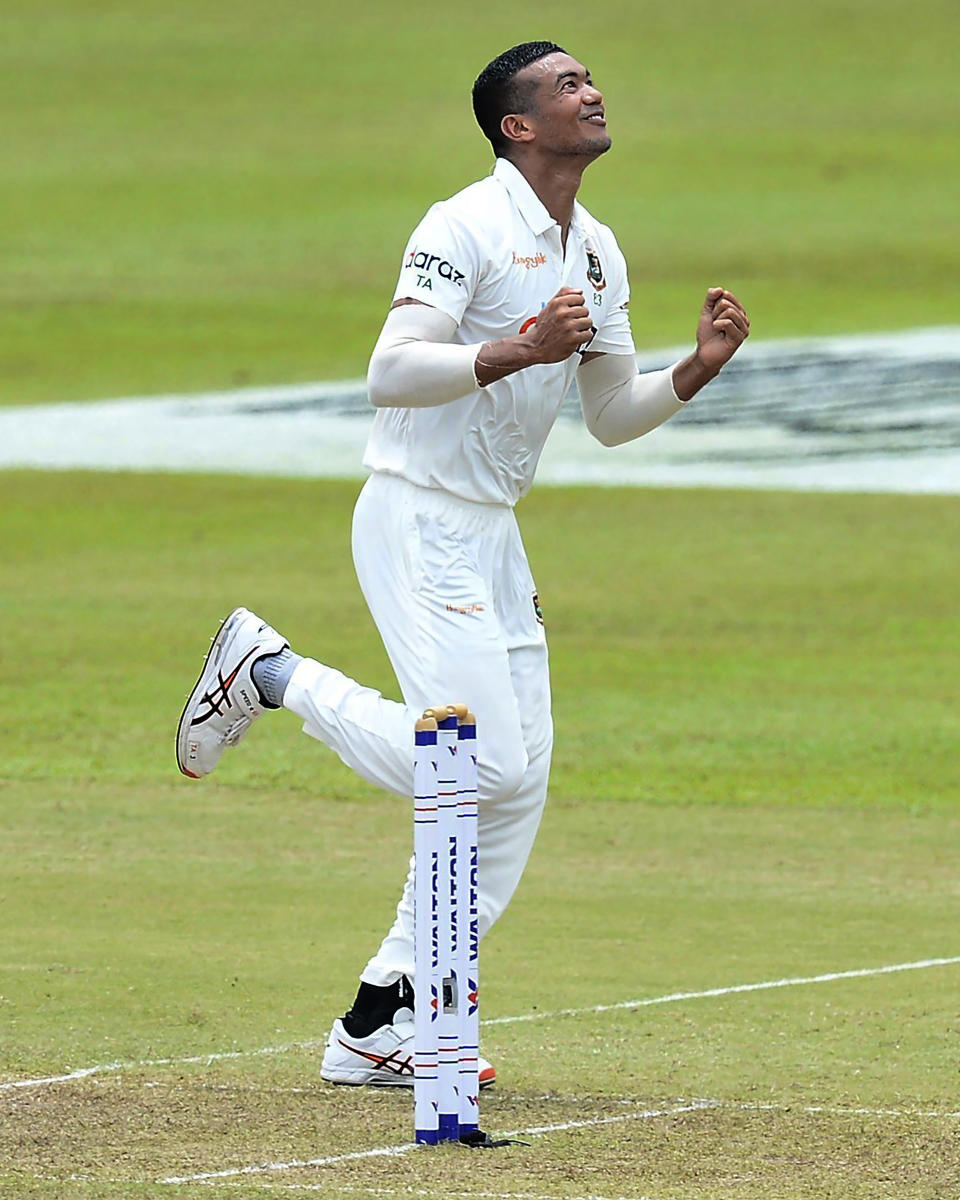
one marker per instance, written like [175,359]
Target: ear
[515,128]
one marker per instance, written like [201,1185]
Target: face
[565,113]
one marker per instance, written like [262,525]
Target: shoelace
[235,731]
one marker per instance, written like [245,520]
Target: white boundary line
[646,1114]
[135,1064]
[356,1190]
[674,997]
[269,1185]
[240,1176]
[837,1110]
[670,998]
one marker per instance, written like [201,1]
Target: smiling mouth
[595,119]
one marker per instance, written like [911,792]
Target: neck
[556,182]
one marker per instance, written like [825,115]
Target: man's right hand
[562,327]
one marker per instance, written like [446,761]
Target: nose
[592,94]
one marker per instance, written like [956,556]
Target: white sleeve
[415,365]
[441,264]
[620,404]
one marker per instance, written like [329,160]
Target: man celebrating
[507,291]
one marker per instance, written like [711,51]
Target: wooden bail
[440,712]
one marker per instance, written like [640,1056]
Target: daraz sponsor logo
[422,262]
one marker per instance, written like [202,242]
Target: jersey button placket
[574,261]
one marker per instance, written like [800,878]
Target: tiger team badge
[595,269]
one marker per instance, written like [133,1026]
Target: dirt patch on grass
[95,1135]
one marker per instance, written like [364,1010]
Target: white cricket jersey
[491,257]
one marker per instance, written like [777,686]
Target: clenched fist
[563,326]
[722,329]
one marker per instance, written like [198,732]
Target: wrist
[690,375]
[494,360]
[707,371]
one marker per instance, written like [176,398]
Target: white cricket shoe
[384,1059]
[225,702]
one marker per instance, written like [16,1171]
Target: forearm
[497,360]
[562,327]
[619,404]
[690,375]
[415,365]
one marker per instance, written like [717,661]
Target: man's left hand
[721,330]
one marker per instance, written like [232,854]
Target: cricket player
[507,291]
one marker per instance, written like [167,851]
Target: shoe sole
[212,660]
[385,1081]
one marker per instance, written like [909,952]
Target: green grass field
[199,195]
[756,776]
[756,779]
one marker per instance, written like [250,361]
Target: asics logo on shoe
[218,698]
[391,1063]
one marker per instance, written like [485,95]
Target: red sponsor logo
[530,261]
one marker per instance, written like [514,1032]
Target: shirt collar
[524,197]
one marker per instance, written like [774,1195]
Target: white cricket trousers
[449,587]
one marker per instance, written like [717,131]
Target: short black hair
[496,91]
